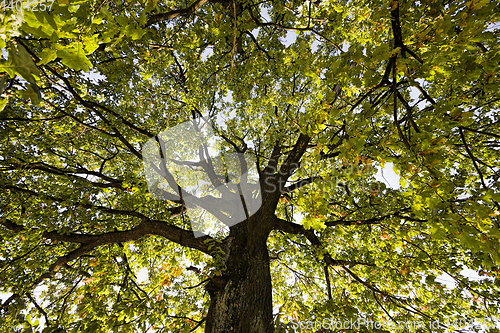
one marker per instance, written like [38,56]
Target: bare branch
[174,211]
[42,166]
[374,220]
[39,308]
[472,157]
[481,132]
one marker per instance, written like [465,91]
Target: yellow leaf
[385,236]
[177,271]
[484,238]
[166,281]
[489,77]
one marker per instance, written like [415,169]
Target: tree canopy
[319,95]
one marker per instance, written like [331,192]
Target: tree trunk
[241,299]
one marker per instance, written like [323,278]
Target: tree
[320,94]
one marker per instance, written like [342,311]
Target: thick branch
[328,284]
[297,229]
[42,166]
[299,184]
[175,13]
[396,29]
[293,158]
[148,227]
[62,261]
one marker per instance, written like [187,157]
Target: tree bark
[241,299]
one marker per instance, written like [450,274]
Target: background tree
[320,94]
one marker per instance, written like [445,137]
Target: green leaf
[46,56]
[20,63]
[74,57]
[3,103]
